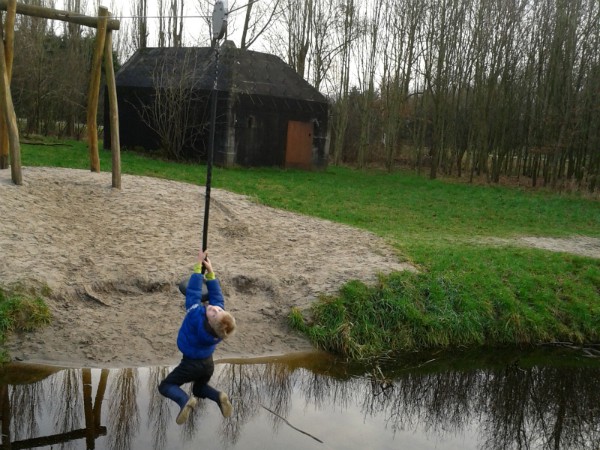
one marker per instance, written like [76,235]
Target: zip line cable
[180,17]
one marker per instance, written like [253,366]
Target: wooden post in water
[9,39]
[94,90]
[111,86]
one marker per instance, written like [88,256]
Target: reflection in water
[69,404]
[510,405]
[159,414]
[25,405]
[558,408]
[24,399]
[124,415]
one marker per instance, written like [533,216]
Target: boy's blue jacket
[194,340]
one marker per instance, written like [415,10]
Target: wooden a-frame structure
[9,133]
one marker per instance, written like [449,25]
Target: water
[484,401]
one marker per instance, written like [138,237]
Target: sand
[112,260]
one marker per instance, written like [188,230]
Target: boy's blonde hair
[226,327]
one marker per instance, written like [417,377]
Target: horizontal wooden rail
[62,438]
[57,14]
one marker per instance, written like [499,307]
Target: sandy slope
[113,259]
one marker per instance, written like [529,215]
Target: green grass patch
[468,292]
[534,297]
[21,309]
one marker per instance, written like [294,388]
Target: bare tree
[176,23]
[367,52]
[162,27]
[31,78]
[324,49]
[402,23]
[176,113]
[341,105]
[140,23]
[258,19]
[488,87]
[298,23]
[71,93]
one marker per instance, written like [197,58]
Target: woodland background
[480,89]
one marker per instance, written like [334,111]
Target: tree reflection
[23,402]
[159,413]
[190,428]
[511,407]
[68,394]
[239,381]
[516,407]
[315,387]
[124,415]
[277,390]
[552,408]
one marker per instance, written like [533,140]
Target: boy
[203,327]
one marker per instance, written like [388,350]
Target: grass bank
[468,292]
[21,309]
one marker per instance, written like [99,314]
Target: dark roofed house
[267,115]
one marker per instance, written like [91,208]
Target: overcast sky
[195,28]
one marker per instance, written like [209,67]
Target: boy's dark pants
[197,371]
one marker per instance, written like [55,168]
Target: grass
[467,293]
[21,309]
[515,297]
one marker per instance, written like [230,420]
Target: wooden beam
[57,14]
[8,110]
[94,90]
[55,439]
[9,40]
[111,87]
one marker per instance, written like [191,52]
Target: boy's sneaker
[186,410]
[225,404]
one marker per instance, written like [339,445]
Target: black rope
[211,148]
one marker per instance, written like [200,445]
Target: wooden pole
[9,40]
[8,110]
[94,91]
[111,87]
[57,14]
[3,129]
